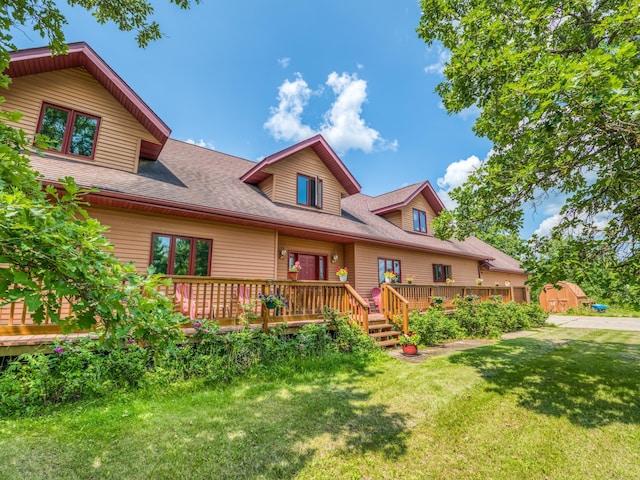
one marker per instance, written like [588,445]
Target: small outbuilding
[568,295]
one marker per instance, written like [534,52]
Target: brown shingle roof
[399,198]
[207,184]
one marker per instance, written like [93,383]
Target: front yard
[561,404]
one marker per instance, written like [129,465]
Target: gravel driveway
[605,323]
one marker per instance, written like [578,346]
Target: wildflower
[58,350]
[197,324]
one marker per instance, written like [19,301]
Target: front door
[313,266]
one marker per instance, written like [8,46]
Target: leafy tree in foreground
[49,247]
[558,87]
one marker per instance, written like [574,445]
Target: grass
[562,404]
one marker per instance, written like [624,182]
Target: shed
[569,295]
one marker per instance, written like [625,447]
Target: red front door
[313,266]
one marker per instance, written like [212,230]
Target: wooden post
[405,318]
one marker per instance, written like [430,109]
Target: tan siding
[395,218]
[119,133]
[267,186]
[238,252]
[417,264]
[305,162]
[419,203]
[492,278]
[311,247]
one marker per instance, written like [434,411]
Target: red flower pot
[410,349]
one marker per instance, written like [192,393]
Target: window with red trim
[309,191]
[441,272]
[419,221]
[178,255]
[69,131]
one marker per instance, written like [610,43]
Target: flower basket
[292,275]
[342,273]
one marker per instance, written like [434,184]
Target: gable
[119,134]
[79,55]
[285,176]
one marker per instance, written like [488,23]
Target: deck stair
[382,331]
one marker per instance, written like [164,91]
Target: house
[188,210]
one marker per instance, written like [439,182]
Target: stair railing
[395,307]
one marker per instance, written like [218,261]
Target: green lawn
[562,404]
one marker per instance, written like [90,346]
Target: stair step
[387,333]
[388,343]
[380,326]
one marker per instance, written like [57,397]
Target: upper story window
[441,272]
[309,191]
[177,255]
[419,221]
[70,132]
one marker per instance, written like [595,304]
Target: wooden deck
[227,301]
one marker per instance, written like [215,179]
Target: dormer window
[309,191]
[419,221]
[70,132]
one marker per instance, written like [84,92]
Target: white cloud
[285,122]
[439,56]
[547,224]
[360,66]
[455,175]
[343,126]
[284,62]
[599,221]
[201,143]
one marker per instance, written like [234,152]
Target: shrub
[434,326]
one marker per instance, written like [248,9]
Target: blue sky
[251,77]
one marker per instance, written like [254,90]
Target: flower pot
[292,275]
[270,305]
[343,278]
[410,349]
[410,282]
[387,280]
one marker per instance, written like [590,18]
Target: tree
[557,84]
[49,247]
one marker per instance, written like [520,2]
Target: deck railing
[232,302]
[398,299]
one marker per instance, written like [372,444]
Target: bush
[434,326]
[74,371]
[475,319]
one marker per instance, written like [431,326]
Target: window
[309,191]
[419,221]
[176,255]
[388,265]
[69,131]
[441,272]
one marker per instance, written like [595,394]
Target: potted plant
[479,281]
[450,281]
[389,276]
[436,300]
[410,279]
[292,274]
[409,343]
[272,300]
[342,273]
[507,283]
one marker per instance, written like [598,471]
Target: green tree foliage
[49,247]
[557,84]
